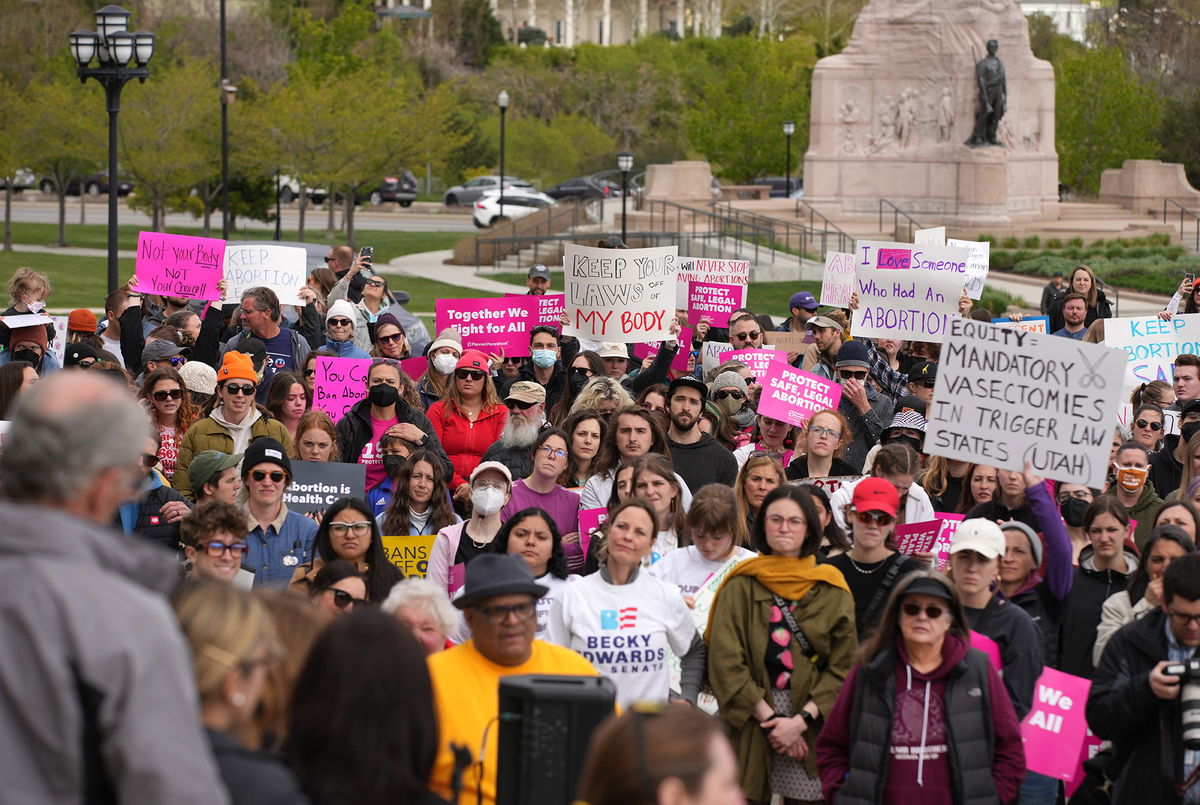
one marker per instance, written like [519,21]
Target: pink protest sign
[917,537]
[179,265]
[941,548]
[490,325]
[339,384]
[458,574]
[1053,731]
[714,301]
[793,395]
[829,485]
[1091,745]
[989,647]
[589,521]
[680,361]
[757,359]
[413,367]
[551,308]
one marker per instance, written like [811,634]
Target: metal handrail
[897,213]
[845,241]
[1182,212]
[552,221]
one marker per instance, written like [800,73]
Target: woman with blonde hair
[234,643]
[297,623]
[1083,281]
[604,395]
[757,477]
[654,481]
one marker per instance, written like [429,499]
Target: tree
[1181,121]
[548,152]
[11,155]
[471,27]
[1105,115]
[1047,43]
[1160,39]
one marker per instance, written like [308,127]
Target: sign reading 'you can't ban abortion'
[620,295]
[907,291]
[1006,396]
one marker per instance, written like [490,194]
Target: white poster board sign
[708,270]
[838,281]
[978,260]
[907,291]
[620,295]
[1150,344]
[283,269]
[934,236]
[1006,396]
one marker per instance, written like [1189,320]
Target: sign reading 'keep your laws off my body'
[1006,396]
[621,295]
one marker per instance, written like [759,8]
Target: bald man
[340,260]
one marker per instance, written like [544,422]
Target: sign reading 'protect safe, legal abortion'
[907,291]
[621,295]
[1006,396]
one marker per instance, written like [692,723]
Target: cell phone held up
[368,255]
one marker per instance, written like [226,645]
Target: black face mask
[29,356]
[382,395]
[1072,511]
[578,381]
[393,464]
[1186,432]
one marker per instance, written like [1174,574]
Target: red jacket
[465,441]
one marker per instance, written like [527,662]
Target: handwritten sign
[283,269]
[907,291]
[830,484]
[978,261]
[1032,324]
[316,485]
[1150,345]
[838,281]
[711,352]
[788,341]
[759,360]
[410,554]
[680,361]
[714,301]
[58,347]
[340,383]
[490,325]
[794,395]
[707,269]
[1053,730]
[20,320]
[1006,396]
[934,236]
[621,295]
[179,265]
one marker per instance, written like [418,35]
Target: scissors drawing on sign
[1093,376]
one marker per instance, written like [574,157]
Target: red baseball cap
[876,495]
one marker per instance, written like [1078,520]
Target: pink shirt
[370,456]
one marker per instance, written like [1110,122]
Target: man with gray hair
[100,701]
[286,348]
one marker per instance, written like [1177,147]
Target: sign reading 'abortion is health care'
[491,325]
[907,291]
[1006,396]
[620,295]
[793,395]
[1150,345]
[179,265]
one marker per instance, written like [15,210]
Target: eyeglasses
[928,384]
[468,374]
[375,283]
[1154,426]
[879,518]
[524,406]
[748,336]
[852,375]
[388,339]
[343,600]
[275,475]
[217,549]
[177,360]
[339,322]
[1184,620]
[149,459]
[552,452]
[361,528]
[817,430]
[235,390]
[932,611]
[497,615]
[734,393]
[163,396]
[481,484]
[1078,494]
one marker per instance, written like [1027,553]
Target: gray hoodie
[91,647]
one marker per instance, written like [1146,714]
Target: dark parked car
[779,185]
[95,184]
[401,188]
[585,187]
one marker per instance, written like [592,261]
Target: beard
[519,433]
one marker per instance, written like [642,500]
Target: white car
[517,204]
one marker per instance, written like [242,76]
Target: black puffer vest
[969,733]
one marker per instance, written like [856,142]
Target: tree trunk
[303,208]
[82,206]
[569,33]
[679,18]
[351,197]
[606,23]
[8,194]
[60,188]
[330,229]
[643,18]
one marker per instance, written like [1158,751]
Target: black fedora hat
[493,574]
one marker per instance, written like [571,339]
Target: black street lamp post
[121,56]
[624,164]
[502,100]
[789,128]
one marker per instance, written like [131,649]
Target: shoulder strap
[881,594]
[805,647]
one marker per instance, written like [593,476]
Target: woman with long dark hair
[14,378]
[288,398]
[469,419]
[420,502]
[171,411]
[585,429]
[348,532]
[532,535]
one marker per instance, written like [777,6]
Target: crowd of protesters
[176,633]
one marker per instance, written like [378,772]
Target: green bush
[1157,273]
[1054,243]
[1032,242]
[1076,242]
[1011,242]
[1000,260]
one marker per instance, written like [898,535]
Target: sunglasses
[581,370]
[235,389]
[513,361]
[1154,426]
[163,396]
[924,383]
[880,518]
[468,374]
[217,549]
[149,459]
[86,364]
[853,375]
[340,529]
[749,335]
[932,611]
[524,406]
[339,322]
[722,394]
[343,600]
[177,360]
[388,339]
[309,372]
[375,283]
[261,475]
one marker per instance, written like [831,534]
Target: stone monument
[892,115]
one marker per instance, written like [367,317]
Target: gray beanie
[730,380]
[1035,542]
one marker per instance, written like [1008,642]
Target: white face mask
[445,363]
[487,501]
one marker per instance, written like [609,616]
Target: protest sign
[830,484]
[978,254]
[179,265]
[1032,324]
[934,236]
[759,360]
[794,395]
[680,361]
[707,269]
[917,537]
[1091,746]
[550,309]
[58,347]
[941,546]
[1005,397]
[590,521]
[907,291]
[620,295]
[989,647]
[1053,730]
[788,341]
[283,269]
[413,367]
[340,383]
[714,301]
[838,281]
[410,554]
[490,324]
[1150,344]
[1125,419]
[318,484]
[20,320]
[711,352]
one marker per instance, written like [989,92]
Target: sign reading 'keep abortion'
[1006,396]
[1151,345]
[621,295]
[283,269]
[907,291]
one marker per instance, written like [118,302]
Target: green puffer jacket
[208,434]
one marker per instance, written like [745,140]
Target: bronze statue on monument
[993,98]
